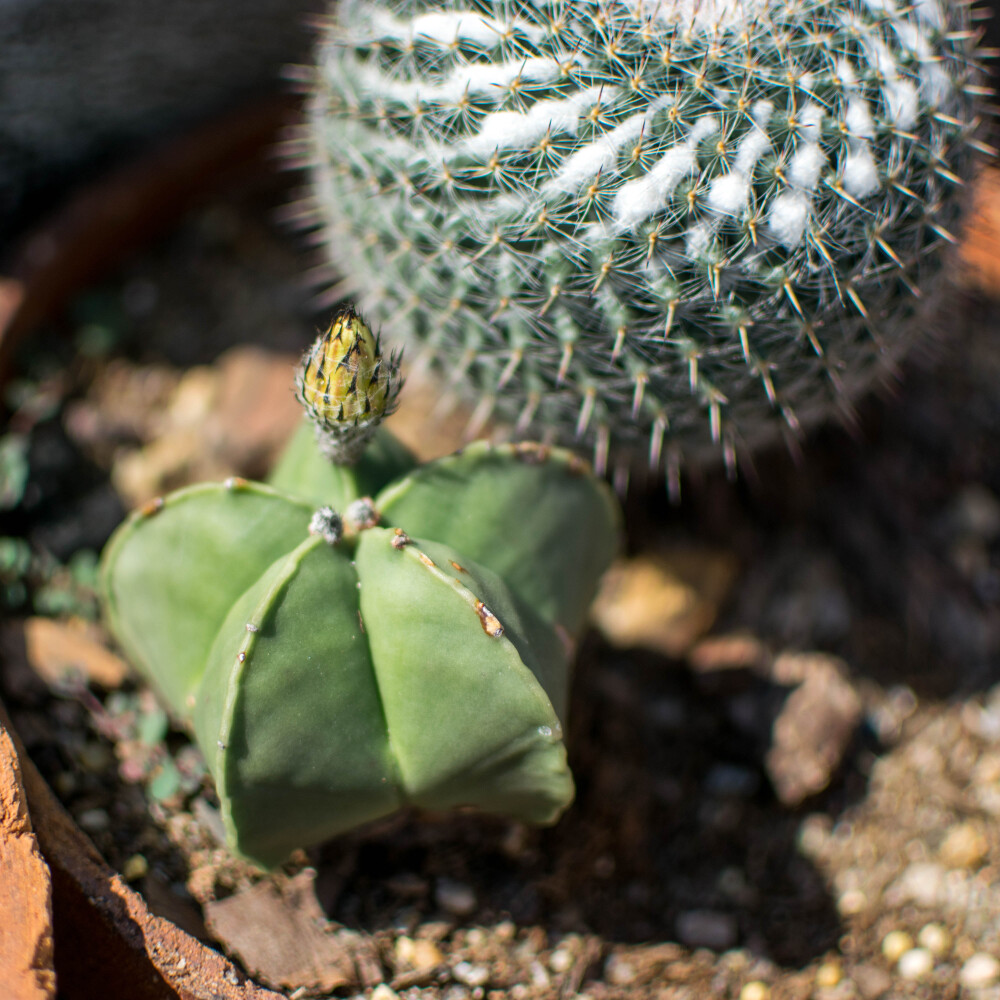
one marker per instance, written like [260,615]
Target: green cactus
[659,227]
[338,656]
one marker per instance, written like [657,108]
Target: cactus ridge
[656,228]
[228,531]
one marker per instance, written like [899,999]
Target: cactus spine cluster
[653,226]
[339,655]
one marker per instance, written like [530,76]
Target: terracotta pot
[106,942]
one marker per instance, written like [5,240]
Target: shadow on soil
[673,815]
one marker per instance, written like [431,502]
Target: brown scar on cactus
[531,452]
[151,507]
[489,621]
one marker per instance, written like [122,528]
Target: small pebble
[707,929]
[935,938]
[383,992]
[814,835]
[829,974]
[731,781]
[560,960]
[755,990]
[915,963]
[980,970]
[977,510]
[95,757]
[871,981]
[65,784]
[922,882]
[135,868]
[895,944]
[94,820]
[471,975]
[619,971]
[964,846]
[851,902]
[456,898]
[419,953]
[540,979]
[506,930]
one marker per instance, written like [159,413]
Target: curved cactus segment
[289,714]
[305,472]
[462,706]
[173,570]
[533,515]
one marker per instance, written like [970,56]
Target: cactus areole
[339,655]
[656,227]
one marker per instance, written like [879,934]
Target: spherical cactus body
[657,227]
[410,648]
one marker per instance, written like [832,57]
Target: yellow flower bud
[347,387]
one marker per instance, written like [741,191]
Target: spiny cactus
[338,656]
[655,226]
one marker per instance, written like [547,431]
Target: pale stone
[936,938]
[755,990]
[895,944]
[980,970]
[916,963]
[829,974]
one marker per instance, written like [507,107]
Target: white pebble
[980,970]
[935,938]
[471,975]
[851,901]
[922,882]
[915,963]
[895,944]
[383,992]
[94,820]
[619,971]
[755,990]
[455,897]
[560,960]
[707,929]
